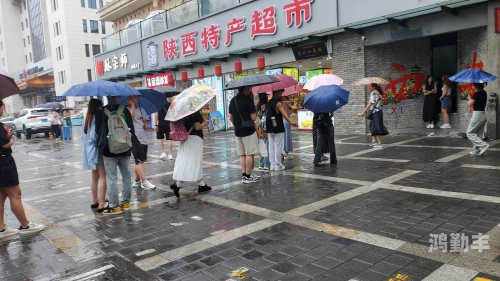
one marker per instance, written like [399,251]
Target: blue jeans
[264,161]
[330,132]
[110,164]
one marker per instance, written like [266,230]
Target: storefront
[36,83]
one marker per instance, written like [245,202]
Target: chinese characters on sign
[170,49]
[459,242]
[310,51]
[210,36]
[264,23]
[112,64]
[158,80]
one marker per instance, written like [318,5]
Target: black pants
[322,133]
[56,130]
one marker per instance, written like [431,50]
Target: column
[493,65]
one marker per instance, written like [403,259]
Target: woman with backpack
[264,161]
[188,164]
[93,159]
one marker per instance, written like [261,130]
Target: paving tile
[311,270]
[384,268]
[284,267]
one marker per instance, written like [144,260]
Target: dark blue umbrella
[472,76]
[326,99]
[101,88]
[152,101]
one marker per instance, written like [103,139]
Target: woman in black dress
[9,186]
[326,146]
[430,113]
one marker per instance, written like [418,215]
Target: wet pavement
[370,217]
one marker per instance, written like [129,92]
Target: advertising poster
[305,120]
[291,72]
[327,71]
[311,73]
[216,123]
[274,71]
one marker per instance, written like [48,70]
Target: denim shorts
[446,103]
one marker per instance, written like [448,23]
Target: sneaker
[288,157]
[428,126]
[481,152]
[137,183]
[170,157]
[31,228]
[203,188]
[432,126]
[146,184]
[163,156]
[266,168]
[474,152]
[261,169]
[324,158]
[448,126]
[175,188]
[280,168]
[255,177]
[6,232]
[248,180]
[378,146]
[126,206]
[443,126]
[272,168]
[373,143]
[113,211]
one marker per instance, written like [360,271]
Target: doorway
[444,61]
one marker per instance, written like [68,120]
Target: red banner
[158,80]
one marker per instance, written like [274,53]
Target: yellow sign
[291,72]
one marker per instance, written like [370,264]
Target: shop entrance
[444,60]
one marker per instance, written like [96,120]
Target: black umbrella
[251,80]
[168,91]
[8,86]
[53,105]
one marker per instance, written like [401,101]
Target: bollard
[490,131]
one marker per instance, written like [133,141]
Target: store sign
[157,80]
[310,51]
[291,72]
[304,120]
[135,66]
[152,53]
[30,71]
[110,64]
[59,98]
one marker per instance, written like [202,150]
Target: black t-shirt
[189,122]
[4,139]
[128,118]
[246,107]
[161,115]
[480,100]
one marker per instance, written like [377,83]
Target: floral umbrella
[189,101]
[370,80]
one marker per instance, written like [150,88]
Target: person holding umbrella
[55,123]
[376,126]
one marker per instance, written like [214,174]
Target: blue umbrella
[152,101]
[472,76]
[40,105]
[326,99]
[101,88]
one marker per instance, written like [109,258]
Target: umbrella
[189,101]
[283,83]
[151,100]
[322,80]
[101,88]
[251,80]
[370,80]
[53,105]
[8,86]
[295,89]
[326,99]
[168,91]
[472,76]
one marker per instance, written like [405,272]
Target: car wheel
[27,133]
[18,134]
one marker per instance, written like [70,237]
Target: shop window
[84,25]
[89,75]
[96,49]
[87,50]
[94,26]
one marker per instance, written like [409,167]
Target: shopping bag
[262,148]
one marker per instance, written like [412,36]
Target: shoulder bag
[244,123]
[369,113]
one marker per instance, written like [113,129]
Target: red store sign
[262,23]
[159,80]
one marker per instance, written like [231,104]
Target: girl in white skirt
[188,164]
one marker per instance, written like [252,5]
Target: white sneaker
[8,232]
[481,152]
[373,143]
[136,183]
[443,126]
[147,184]
[378,146]
[31,228]
[279,168]
[170,157]
[288,157]
[474,152]
[272,168]
[428,126]
[324,158]
[163,156]
[432,126]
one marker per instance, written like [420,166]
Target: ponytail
[378,88]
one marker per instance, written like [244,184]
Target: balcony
[161,21]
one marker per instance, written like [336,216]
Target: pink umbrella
[295,89]
[323,80]
[285,82]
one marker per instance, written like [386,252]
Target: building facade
[401,41]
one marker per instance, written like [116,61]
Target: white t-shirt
[375,97]
[140,117]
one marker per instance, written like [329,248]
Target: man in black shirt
[162,128]
[478,120]
[242,113]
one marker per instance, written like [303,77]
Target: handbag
[101,137]
[262,148]
[244,123]
[369,113]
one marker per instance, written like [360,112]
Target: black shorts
[163,131]
[8,171]
[140,152]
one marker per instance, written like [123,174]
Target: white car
[32,121]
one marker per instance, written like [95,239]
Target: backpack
[119,136]
[50,117]
[267,114]
[178,131]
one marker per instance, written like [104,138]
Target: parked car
[32,121]
[77,119]
[8,121]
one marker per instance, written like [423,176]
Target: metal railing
[161,22]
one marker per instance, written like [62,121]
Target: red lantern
[170,79]
[201,73]
[184,75]
[218,70]
[261,63]
[238,67]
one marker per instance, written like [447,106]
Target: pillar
[493,65]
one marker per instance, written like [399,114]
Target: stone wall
[408,53]
[348,62]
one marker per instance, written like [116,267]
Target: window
[89,75]
[24,41]
[62,77]
[26,22]
[87,50]
[96,49]
[84,25]
[103,27]
[22,26]
[20,10]
[59,53]
[100,4]
[92,4]
[31,58]
[29,42]
[36,29]
[54,5]
[26,58]
[57,28]
[1,46]
[94,26]
[82,3]
[24,4]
